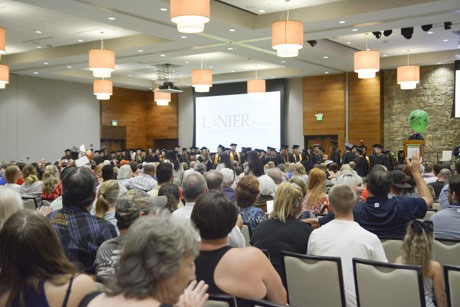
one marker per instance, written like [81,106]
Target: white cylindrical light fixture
[201,80]
[162,99]
[256,86]
[408,77]
[103,89]
[4,75]
[101,62]
[190,16]
[287,37]
[367,63]
[2,41]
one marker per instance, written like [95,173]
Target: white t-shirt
[347,240]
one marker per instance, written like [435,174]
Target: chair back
[429,214]
[392,248]
[264,303]
[46,203]
[447,251]
[452,282]
[220,300]
[315,280]
[247,233]
[30,203]
[387,284]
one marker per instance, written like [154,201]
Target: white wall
[293,114]
[39,118]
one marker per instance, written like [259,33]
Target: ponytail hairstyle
[417,244]
[50,178]
[107,196]
[29,172]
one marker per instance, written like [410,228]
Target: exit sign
[114,122]
[319,117]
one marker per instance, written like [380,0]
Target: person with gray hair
[133,204]
[344,238]
[214,180]
[443,179]
[229,177]
[10,202]
[200,168]
[156,267]
[267,189]
[276,174]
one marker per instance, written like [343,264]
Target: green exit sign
[114,122]
[319,117]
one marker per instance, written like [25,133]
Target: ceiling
[51,39]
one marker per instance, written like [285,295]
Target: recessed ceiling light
[429,32]
[162,55]
[348,43]
[163,9]
[35,72]
[283,61]
[210,66]
[39,47]
[232,30]
[140,50]
[186,62]
[439,63]
[233,71]
[148,66]
[326,72]
[111,18]
[261,11]
[183,36]
[354,29]
[325,57]
[45,63]
[69,67]
[80,41]
[445,40]
[230,48]
[38,32]
[342,21]
[130,75]
[150,88]
[385,55]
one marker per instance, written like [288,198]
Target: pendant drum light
[201,79]
[4,75]
[101,61]
[161,98]
[103,89]
[256,87]
[367,63]
[287,37]
[190,16]
[408,76]
[2,41]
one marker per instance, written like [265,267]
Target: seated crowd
[165,228]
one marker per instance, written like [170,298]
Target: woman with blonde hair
[52,186]
[282,231]
[352,180]
[417,250]
[300,172]
[107,196]
[316,200]
[31,187]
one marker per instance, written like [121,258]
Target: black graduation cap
[258,150]
[221,147]
[295,146]
[177,146]
[204,148]
[284,146]
[233,144]
[193,147]
[227,149]
[377,146]
[315,145]
[348,145]
[262,150]
[67,150]
[271,148]
[334,143]
[184,149]
[246,148]
[359,149]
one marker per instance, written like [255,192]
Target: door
[323,140]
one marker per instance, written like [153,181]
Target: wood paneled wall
[144,120]
[327,95]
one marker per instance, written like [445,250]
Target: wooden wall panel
[365,111]
[143,119]
[326,95]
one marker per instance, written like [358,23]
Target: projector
[168,87]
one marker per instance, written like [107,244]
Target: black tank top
[206,264]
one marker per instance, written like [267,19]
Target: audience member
[417,250]
[247,192]
[344,238]
[282,231]
[316,200]
[131,205]
[243,272]
[214,180]
[164,174]
[156,266]
[107,195]
[300,172]
[33,269]
[399,183]
[144,181]
[446,222]
[276,174]
[443,179]
[52,186]
[10,202]
[229,177]
[172,192]
[124,174]
[32,187]
[267,188]
[352,180]
[12,175]
[79,232]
